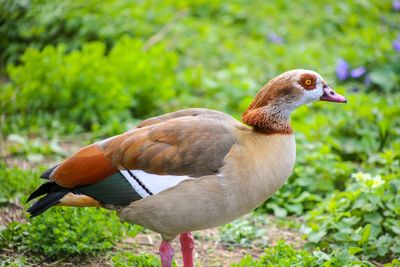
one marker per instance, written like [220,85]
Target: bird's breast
[257,169]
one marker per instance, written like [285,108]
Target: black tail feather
[42,190]
[45,203]
[53,193]
[46,174]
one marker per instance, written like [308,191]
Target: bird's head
[310,86]
[282,94]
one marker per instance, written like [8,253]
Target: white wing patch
[146,184]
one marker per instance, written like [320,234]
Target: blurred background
[74,72]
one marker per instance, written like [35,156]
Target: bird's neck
[269,113]
[273,118]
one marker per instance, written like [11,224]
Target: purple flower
[396,44]
[274,38]
[396,5]
[358,72]
[342,69]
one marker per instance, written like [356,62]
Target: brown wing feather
[188,142]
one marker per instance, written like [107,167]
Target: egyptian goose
[189,170]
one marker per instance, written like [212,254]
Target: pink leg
[166,254]
[187,248]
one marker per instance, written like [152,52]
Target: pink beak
[332,96]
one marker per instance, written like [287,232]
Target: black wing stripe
[140,183]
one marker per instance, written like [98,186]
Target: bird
[190,169]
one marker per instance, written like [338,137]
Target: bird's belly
[191,205]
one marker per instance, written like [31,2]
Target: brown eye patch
[308,81]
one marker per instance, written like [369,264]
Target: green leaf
[354,250]
[365,234]
[385,78]
[373,217]
[315,237]
[278,211]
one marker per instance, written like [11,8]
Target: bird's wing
[191,142]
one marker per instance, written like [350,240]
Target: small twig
[158,36]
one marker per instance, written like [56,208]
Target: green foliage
[64,232]
[123,259]
[394,263]
[247,261]
[364,218]
[36,23]
[32,149]
[20,261]
[225,54]
[339,258]
[244,232]
[16,183]
[283,255]
[89,87]
[385,77]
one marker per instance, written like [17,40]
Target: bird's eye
[308,81]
